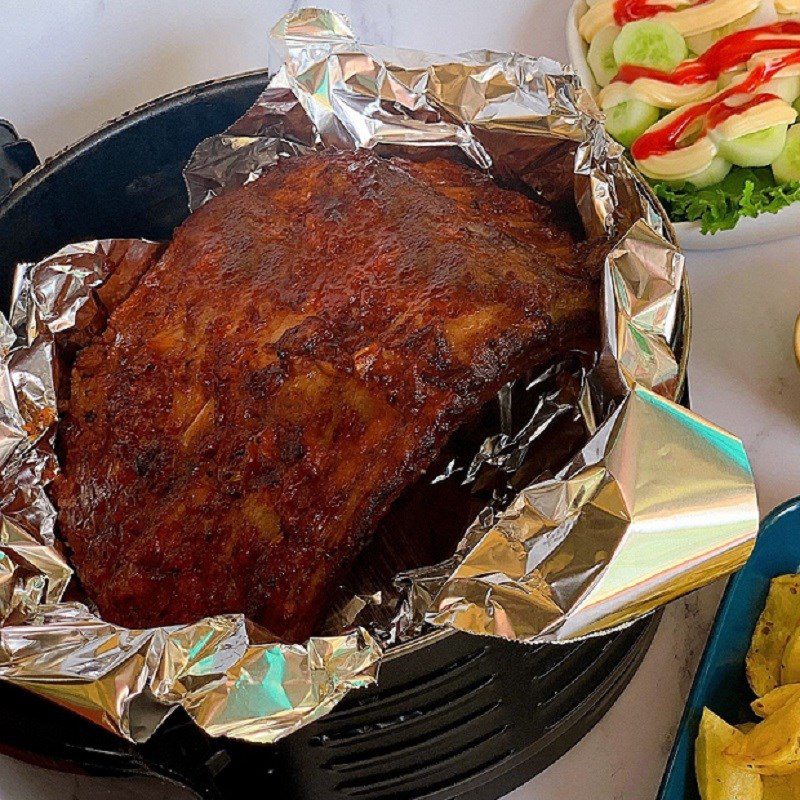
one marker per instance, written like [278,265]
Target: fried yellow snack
[782,787]
[773,746]
[764,706]
[778,621]
[745,727]
[790,662]
[717,778]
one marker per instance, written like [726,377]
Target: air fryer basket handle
[17,157]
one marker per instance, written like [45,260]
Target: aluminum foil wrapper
[220,670]
[651,502]
[657,503]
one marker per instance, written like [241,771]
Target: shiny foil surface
[652,502]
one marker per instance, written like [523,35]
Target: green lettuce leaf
[744,192]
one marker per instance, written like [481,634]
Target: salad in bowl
[705,95]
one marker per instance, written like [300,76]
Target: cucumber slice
[787,89]
[713,173]
[786,167]
[755,149]
[601,55]
[627,121]
[727,78]
[648,43]
[700,42]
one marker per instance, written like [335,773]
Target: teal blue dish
[720,682]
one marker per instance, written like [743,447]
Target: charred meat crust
[296,358]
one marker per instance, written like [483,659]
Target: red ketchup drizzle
[631,10]
[727,53]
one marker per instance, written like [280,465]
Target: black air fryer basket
[454,715]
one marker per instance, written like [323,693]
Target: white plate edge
[749,231]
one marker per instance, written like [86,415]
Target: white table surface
[66,66]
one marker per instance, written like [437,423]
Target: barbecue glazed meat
[294,360]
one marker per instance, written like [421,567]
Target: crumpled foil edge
[63,650]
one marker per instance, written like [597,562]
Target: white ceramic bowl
[765,228]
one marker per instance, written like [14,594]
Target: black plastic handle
[17,157]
